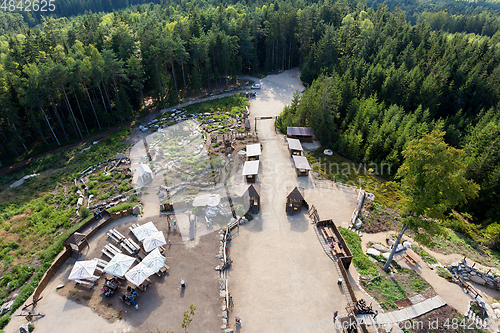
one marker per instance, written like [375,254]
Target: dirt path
[450,292]
[281,279]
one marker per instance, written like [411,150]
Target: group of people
[338,243]
[130,296]
[110,287]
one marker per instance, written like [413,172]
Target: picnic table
[145,284]
[162,271]
[107,253]
[325,235]
[141,255]
[112,249]
[87,283]
[329,232]
[411,258]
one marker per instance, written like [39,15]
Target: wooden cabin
[294,201]
[250,170]
[302,166]
[294,147]
[304,134]
[253,198]
[253,151]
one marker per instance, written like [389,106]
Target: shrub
[120,207]
[31,327]
[360,259]
[84,212]
[240,210]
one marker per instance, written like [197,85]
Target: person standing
[335,314]
[376,314]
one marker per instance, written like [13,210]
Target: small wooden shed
[76,242]
[253,151]
[294,201]
[253,198]
[302,166]
[294,147]
[304,134]
[144,172]
[250,170]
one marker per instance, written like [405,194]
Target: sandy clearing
[281,279]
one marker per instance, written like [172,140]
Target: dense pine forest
[378,75]
[377,82]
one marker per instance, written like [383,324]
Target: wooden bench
[88,283]
[324,234]
[126,248]
[413,256]
[114,248]
[101,263]
[118,234]
[329,232]
[145,284]
[137,247]
[107,253]
[162,271]
[409,259]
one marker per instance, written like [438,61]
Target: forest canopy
[376,78]
[377,82]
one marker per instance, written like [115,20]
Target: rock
[24,328]
[6,307]
[407,245]
[380,248]
[60,286]
[454,264]
[495,306]
[229,330]
[224,314]
[477,279]
[390,242]
[358,223]
[386,255]
[136,210]
[219,256]
[497,313]
[400,248]
[373,252]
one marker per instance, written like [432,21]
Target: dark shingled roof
[295,194]
[252,191]
[299,131]
[75,238]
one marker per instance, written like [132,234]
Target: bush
[360,260]
[120,207]
[84,212]
[240,210]
[31,327]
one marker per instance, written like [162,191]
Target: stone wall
[470,273]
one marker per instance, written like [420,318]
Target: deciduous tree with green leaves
[432,182]
[188,317]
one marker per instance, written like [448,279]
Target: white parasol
[154,260]
[83,270]
[138,274]
[152,242]
[144,231]
[119,265]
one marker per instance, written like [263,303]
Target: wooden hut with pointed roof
[76,242]
[294,201]
[253,198]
